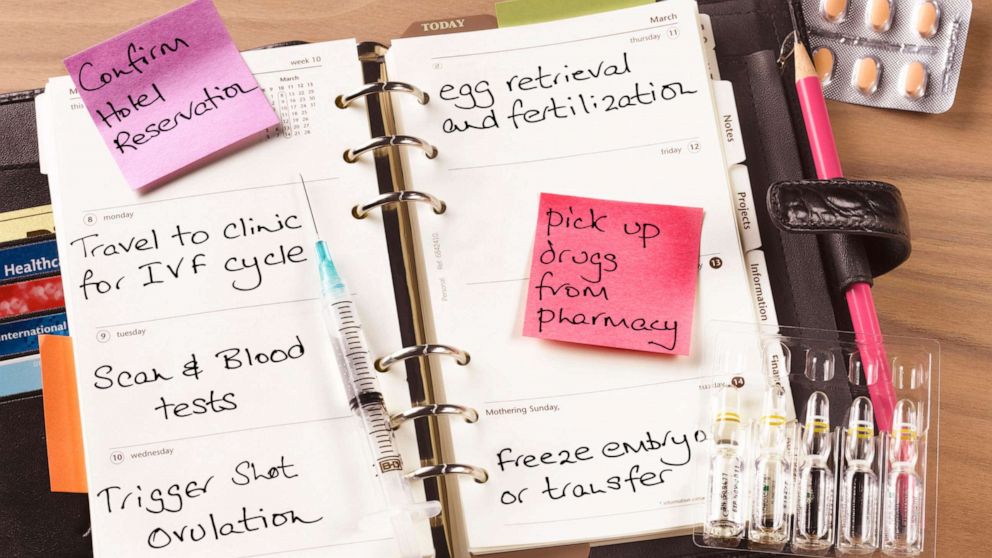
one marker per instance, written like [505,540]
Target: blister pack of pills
[834,454]
[900,54]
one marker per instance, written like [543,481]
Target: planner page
[214,418]
[582,443]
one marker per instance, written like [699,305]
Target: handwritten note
[179,252]
[664,456]
[170,93]
[544,94]
[616,274]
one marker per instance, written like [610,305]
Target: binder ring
[362,211]
[478,473]
[469,414]
[352,155]
[342,101]
[461,357]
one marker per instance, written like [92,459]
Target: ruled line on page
[218,310]
[556,44]
[234,191]
[626,148]
[213,434]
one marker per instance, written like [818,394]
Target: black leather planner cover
[34,521]
[21,185]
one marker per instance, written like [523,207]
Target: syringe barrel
[352,349]
[375,420]
[360,382]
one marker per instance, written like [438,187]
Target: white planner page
[214,419]
[582,443]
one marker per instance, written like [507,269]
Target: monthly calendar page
[294,97]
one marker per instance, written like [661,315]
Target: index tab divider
[761,288]
[744,208]
[723,92]
[64,433]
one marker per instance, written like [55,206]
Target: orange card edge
[64,434]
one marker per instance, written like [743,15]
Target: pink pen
[868,333]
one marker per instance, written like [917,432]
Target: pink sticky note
[615,274]
[170,93]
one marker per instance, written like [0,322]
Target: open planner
[213,418]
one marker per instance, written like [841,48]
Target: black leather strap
[865,223]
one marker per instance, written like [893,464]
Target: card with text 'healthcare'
[615,274]
[170,93]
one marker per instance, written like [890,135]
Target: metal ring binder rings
[342,101]
[382,364]
[478,473]
[352,155]
[398,221]
[361,211]
[469,414]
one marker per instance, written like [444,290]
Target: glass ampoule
[769,524]
[724,524]
[858,532]
[815,513]
[902,523]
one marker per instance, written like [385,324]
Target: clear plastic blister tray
[799,466]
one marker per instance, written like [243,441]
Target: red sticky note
[171,93]
[615,274]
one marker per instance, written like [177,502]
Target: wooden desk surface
[942,163]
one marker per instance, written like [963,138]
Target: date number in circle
[117,457]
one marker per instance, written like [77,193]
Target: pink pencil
[868,333]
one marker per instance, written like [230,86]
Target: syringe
[365,398]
